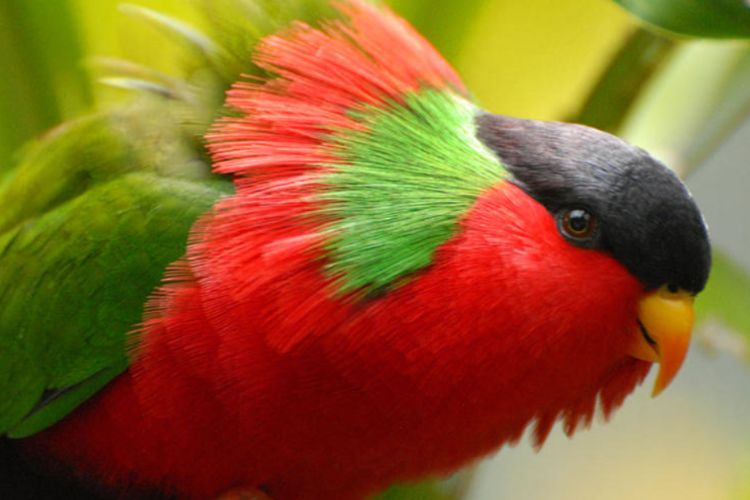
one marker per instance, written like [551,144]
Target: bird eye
[577,223]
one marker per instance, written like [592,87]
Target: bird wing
[94,213]
[87,233]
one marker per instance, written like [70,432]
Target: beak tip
[667,372]
[665,322]
[657,390]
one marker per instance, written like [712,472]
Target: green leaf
[699,18]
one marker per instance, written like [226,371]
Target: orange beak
[665,322]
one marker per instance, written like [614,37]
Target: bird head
[606,196]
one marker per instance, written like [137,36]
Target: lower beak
[665,321]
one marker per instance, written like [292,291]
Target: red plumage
[252,372]
[370,393]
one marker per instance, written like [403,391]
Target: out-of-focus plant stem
[43,81]
[692,105]
[640,56]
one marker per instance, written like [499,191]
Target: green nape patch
[402,186]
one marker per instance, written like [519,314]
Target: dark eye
[577,223]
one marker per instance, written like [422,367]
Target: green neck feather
[403,183]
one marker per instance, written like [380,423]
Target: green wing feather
[94,213]
[78,261]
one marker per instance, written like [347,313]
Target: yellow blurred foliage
[517,57]
[540,58]
[107,31]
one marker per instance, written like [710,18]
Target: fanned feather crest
[368,116]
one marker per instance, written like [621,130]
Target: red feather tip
[372,57]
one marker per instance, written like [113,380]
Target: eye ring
[577,224]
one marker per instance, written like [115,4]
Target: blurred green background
[648,74]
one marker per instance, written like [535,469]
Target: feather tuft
[371,111]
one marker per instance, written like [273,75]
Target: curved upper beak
[665,322]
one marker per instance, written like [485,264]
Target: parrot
[316,267]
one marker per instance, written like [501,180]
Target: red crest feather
[371,58]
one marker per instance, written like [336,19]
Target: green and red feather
[378,128]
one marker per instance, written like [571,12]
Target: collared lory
[375,281]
